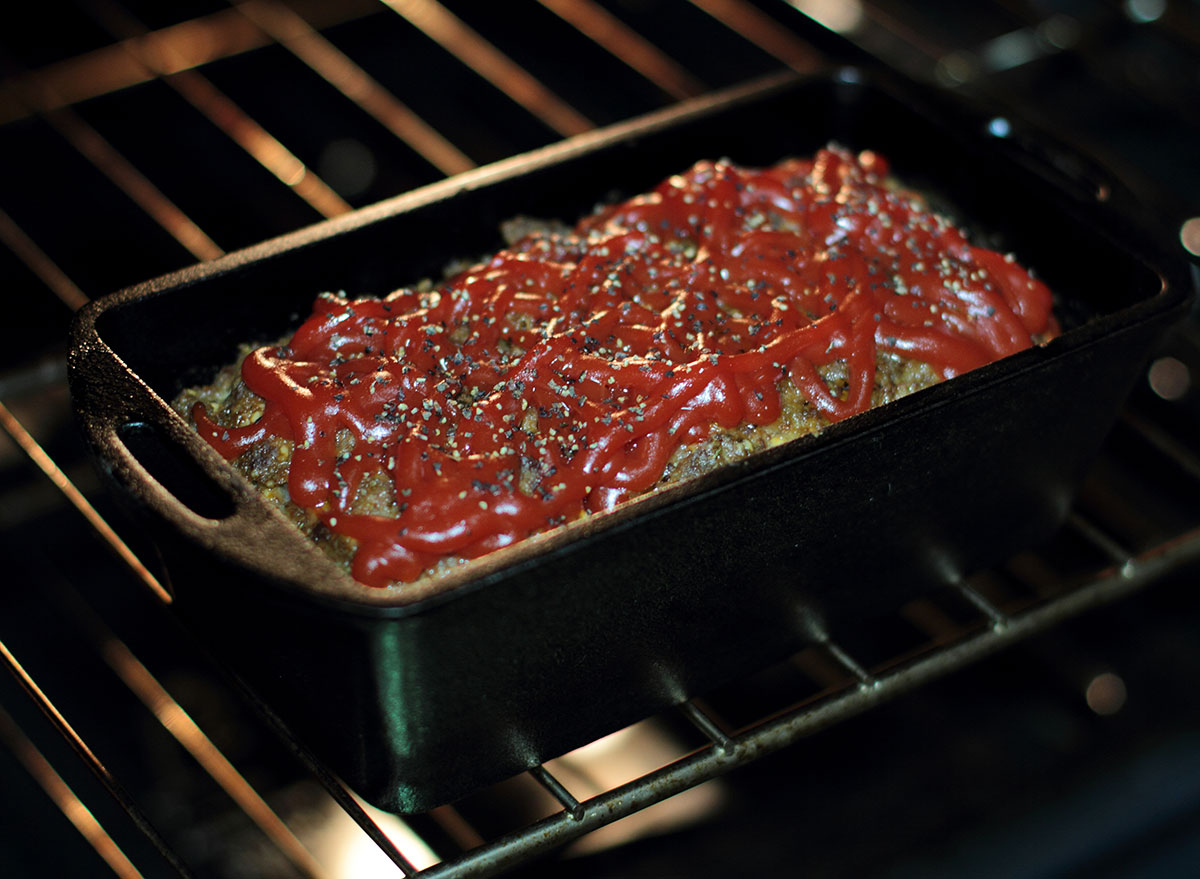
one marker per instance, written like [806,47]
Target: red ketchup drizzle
[657,319]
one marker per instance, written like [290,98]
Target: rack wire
[1003,607]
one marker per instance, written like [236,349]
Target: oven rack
[992,611]
[953,630]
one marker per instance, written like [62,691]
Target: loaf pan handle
[140,443]
[175,471]
[164,467]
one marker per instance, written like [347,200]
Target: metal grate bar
[626,44]
[17,432]
[704,722]
[346,800]
[864,677]
[1116,553]
[60,793]
[105,157]
[180,725]
[898,676]
[51,711]
[224,113]
[354,809]
[807,719]
[296,35]
[820,668]
[759,28]
[997,617]
[40,264]
[451,33]
[1164,442]
[182,46]
[556,789]
[258,142]
[92,762]
[348,803]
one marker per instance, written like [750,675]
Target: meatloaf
[728,310]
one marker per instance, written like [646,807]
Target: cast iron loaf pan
[418,695]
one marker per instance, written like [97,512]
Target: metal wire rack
[120,198]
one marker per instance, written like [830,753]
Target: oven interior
[1036,719]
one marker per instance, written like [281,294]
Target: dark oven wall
[1035,719]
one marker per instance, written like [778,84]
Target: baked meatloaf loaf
[728,310]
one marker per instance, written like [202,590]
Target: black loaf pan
[418,696]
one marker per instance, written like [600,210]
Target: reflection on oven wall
[142,137]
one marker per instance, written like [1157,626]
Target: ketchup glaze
[558,377]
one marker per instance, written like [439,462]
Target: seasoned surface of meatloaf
[724,312]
